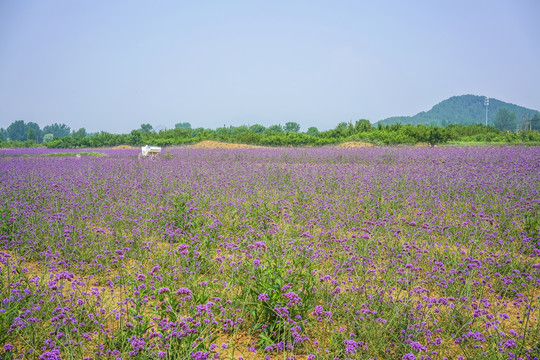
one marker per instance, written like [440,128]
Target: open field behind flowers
[386,253]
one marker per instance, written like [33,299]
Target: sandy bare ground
[208,144]
[354,144]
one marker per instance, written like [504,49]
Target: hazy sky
[113,65]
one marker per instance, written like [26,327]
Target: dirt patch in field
[208,144]
[124,147]
[421,144]
[354,144]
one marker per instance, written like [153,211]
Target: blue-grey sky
[113,65]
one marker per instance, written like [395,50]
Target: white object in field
[150,150]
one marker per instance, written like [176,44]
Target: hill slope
[464,109]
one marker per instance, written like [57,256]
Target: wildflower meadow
[270,253]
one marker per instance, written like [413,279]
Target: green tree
[135,137]
[79,134]
[505,120]
[362,125]
[257,129]
[48,138]
[107,139]
[183,125]
[182,133]
[395,126]
[208,134]
[146,128]
[313,131]
[17,131]
[436,135]
[535,122]
[273,129]
[58,130]
[3,134]
[237,130]
[37,135]
[292,126]
[342,129]
[222,132]
[197,132]
[31,134]
[526,122]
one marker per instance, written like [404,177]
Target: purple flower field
[323,253]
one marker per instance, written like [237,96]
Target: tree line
[21,134]
[31,134]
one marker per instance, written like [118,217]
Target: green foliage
[384,137]
[362,125]
[313,131]
[181,210]
[34,132]
[535,122]
[529,136]
[79,134]
[437,135]
[275,135]
[17,131]
[292,127]
[505,120]
[135,137]
[183,125]
[274,129]
[257,128]
[31,135]
[58,130]
[462,118]
[343,129]
[146,128]
[530,122]
[7,224]
[462,110]
[198,132]
[48,138]
[267,300]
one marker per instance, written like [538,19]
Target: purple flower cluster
[383,252]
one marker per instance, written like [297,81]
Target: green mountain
[464,109]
